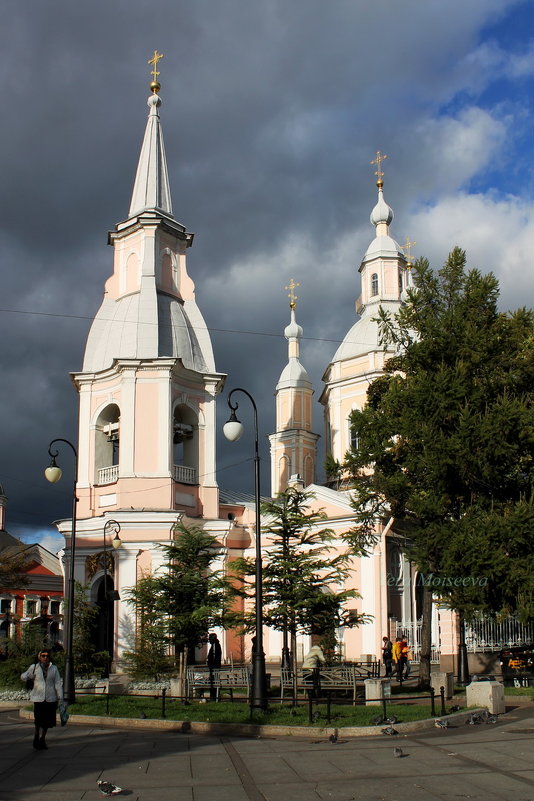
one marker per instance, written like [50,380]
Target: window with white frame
[6,605]
[374,284]
[55,607]
[31,607]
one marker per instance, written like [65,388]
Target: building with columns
[147,396]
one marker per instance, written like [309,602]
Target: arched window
[400,282]
[374,284]
[107,437]
[185,445]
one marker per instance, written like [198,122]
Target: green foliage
[333,470]
[87,660]
[177,606]
[22,652]
[150,657]
[300,571]
[446,438]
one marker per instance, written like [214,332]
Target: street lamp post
[53,473]
[112,595]
[233,430]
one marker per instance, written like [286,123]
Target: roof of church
[294,373]
[364,336]
[151,187]
[149,323]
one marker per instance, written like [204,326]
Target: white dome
[383,246]
[381,213]
[122,331]
[293,375]
[361,339]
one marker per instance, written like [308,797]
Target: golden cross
[292,297]
[154,60]
[407,247]
[380,157]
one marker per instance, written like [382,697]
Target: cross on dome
[156,58]
[407,249]
[380,157]
[292,297]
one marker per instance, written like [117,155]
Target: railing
[108,475]
[412,633]
[485,634]
[185,475]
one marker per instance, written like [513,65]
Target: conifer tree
[301,574]
[182,601]
[446,442]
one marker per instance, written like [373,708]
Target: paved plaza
[482,763]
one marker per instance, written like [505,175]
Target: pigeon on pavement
[398,752]
[475,719]
[389,730]
[392,720]
[107,788]
[492,719]
[333,737]
[441,724]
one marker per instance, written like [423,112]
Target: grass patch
[527,692]
[239,712]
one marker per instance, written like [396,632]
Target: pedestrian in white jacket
[47,691]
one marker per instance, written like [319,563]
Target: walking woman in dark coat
[47,691]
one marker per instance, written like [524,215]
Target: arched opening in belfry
[107,445]
[185,444]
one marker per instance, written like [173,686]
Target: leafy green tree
[185,599]
[446,442]
[300,572]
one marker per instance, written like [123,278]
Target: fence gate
[412,633]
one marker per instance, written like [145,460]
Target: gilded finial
[380,157]
[292,297]
[407,248]
[155,84]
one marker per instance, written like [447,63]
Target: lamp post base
[69,691]
[258,697]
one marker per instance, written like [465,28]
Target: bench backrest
[200,676]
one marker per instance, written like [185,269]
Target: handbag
[63,713]
[30,682]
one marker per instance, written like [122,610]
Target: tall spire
[293,445]
[151,188]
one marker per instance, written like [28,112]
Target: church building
[147,425]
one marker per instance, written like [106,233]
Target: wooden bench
[223,679]
[335,677]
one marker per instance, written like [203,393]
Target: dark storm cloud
[271,114]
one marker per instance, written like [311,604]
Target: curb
[253,730]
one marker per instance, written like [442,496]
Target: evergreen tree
[149,656]
[300,574]
[446,442]
[180,603]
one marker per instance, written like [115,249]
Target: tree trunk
[426,640]
[294,665]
